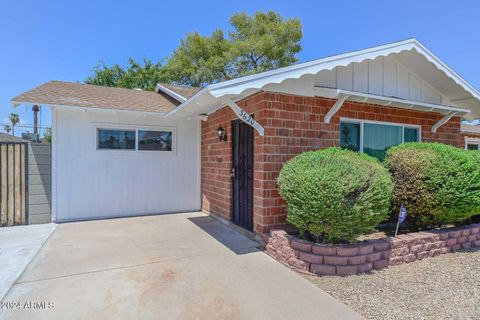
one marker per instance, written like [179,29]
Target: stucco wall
[91,183]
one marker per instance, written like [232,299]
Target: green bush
[335,195]
[437,183]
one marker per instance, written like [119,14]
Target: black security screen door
[242,174]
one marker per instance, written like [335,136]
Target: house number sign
[245,117]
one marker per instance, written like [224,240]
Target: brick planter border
[342,260]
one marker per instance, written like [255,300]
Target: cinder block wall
[39,183]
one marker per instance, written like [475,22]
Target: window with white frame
[374,138]
[135,139]
[472,143]
[112,139]
[150,140]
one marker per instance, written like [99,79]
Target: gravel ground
[444,287]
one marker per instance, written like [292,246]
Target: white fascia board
[258,81]
[186,103]
[171,93]
[312,67]
[389,101]
[446,69]
[57,106]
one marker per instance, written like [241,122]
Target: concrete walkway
[18,246]
[179,266]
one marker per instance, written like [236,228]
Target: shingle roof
[92,96]
[4,137]
[470,128]
[184,91]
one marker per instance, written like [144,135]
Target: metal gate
[14,183]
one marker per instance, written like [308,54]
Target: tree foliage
[144,75]
[14,120]
[47,135]
[256,43]
[201,60]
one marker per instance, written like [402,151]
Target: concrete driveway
[178,266]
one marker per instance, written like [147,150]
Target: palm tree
[14,119]
[7,128]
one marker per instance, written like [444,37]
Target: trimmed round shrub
[335,195]
[437,184]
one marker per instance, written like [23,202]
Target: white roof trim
[171,93]
[58,106]
[258,81]
[388,101]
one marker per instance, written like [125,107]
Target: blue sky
[64,40]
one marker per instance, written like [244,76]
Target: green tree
[200,60]
[7,128]
[257,43]
[14,120]
[265,41]
[137,75]
[47,135]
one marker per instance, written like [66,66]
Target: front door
[242,174]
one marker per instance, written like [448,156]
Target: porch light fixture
[221,134]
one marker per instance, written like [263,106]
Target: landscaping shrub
[335,195]
[437,183]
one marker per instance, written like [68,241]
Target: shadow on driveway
[228,237]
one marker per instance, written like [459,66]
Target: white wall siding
[91,183]
[382,76]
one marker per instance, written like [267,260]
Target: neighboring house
[125,152]
[471,134]
[8,138]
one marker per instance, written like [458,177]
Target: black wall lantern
[222,136]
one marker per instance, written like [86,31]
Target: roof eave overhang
[171,93]
[334,93]
[16,103]
[237,87]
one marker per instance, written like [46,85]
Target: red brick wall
[293,124]
[216,157]
[322,259]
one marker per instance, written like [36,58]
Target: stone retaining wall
[308,257]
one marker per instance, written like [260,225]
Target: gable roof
[73,94]
[464,95]
[177,91]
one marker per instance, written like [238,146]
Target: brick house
[220,148]
[366,100]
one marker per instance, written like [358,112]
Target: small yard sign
[402,215]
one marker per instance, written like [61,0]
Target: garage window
[111,139]
[149,140]
[162,139]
